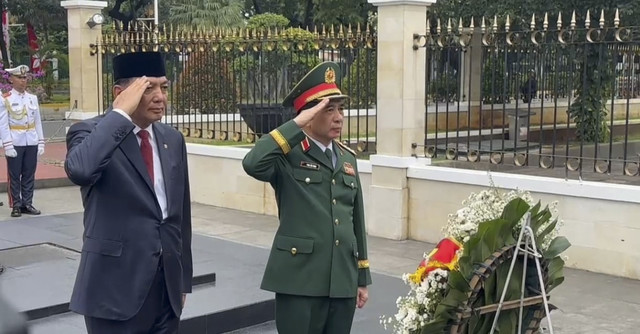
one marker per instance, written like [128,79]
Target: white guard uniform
[20,113]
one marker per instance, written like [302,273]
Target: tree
[207,13]
[32,11]
[592,63]
[126,11]
[308,13]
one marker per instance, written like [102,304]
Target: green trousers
[314,315]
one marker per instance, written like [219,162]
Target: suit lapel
[317,154]
[131,150]
[163,153]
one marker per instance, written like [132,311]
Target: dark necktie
[147,152]
[329,153]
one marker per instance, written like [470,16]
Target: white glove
[40,149]
[11,153]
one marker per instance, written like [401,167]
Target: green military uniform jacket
[320,247]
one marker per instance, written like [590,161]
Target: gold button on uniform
[294,251]
[307,180]
[334,201]
[336,222]
[333,181]
[352,186]
[337,242]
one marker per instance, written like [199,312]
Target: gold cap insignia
[330,75]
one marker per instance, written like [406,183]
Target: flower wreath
[445,297]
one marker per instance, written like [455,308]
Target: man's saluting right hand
[128,98]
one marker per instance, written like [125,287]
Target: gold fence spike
[533,22]
[616,20]
[349,31]
[438,28]
[324,30]
[573,20]
[602,19]
[587,21]
[358,28]
[507,24]
[341,33]
[483,26]
[495,23]
[460,25]
[559,22]
[332,32]
[471,25]
[449,26]
[545,23]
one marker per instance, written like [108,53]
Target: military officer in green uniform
[318,264]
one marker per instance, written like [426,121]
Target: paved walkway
[587,302]
[50,169]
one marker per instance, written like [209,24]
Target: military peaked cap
[18,70]
[320,83]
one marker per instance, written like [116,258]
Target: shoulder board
[7,94]
[344,146]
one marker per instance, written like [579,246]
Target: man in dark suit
[318,265]
[136,264]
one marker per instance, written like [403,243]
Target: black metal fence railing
[563,99]
[229,85]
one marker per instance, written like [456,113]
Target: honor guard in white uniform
[22,139]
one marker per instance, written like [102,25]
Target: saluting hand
[305,116]
[363,296]
[129,98]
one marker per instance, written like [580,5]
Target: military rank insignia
[309,165]
[348,169]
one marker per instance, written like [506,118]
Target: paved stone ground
[587,302]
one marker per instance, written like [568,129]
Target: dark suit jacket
[124,233]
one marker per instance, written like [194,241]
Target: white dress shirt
[324,148]
[158,179]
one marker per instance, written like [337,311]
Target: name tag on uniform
[309,165]
[14,104]
[348,169]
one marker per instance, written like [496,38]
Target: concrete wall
[600,219]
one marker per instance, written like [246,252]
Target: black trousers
[314,315]
[155,317]
[22,174]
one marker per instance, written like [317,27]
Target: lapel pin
[165,146]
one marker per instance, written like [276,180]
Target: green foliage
[594,80]
[444,88]
[494,79]
[306,13]
[207,76]
[204,14]
[361,82]
[491,249]
[269,73]
[267,21]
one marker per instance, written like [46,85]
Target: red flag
[5,31]
[33,45]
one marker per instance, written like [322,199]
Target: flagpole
[155,21]
[155,12]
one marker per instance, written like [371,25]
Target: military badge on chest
[348,169]
[309,165]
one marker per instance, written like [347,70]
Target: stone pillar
[400,113]
[471,78]
[84,69]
